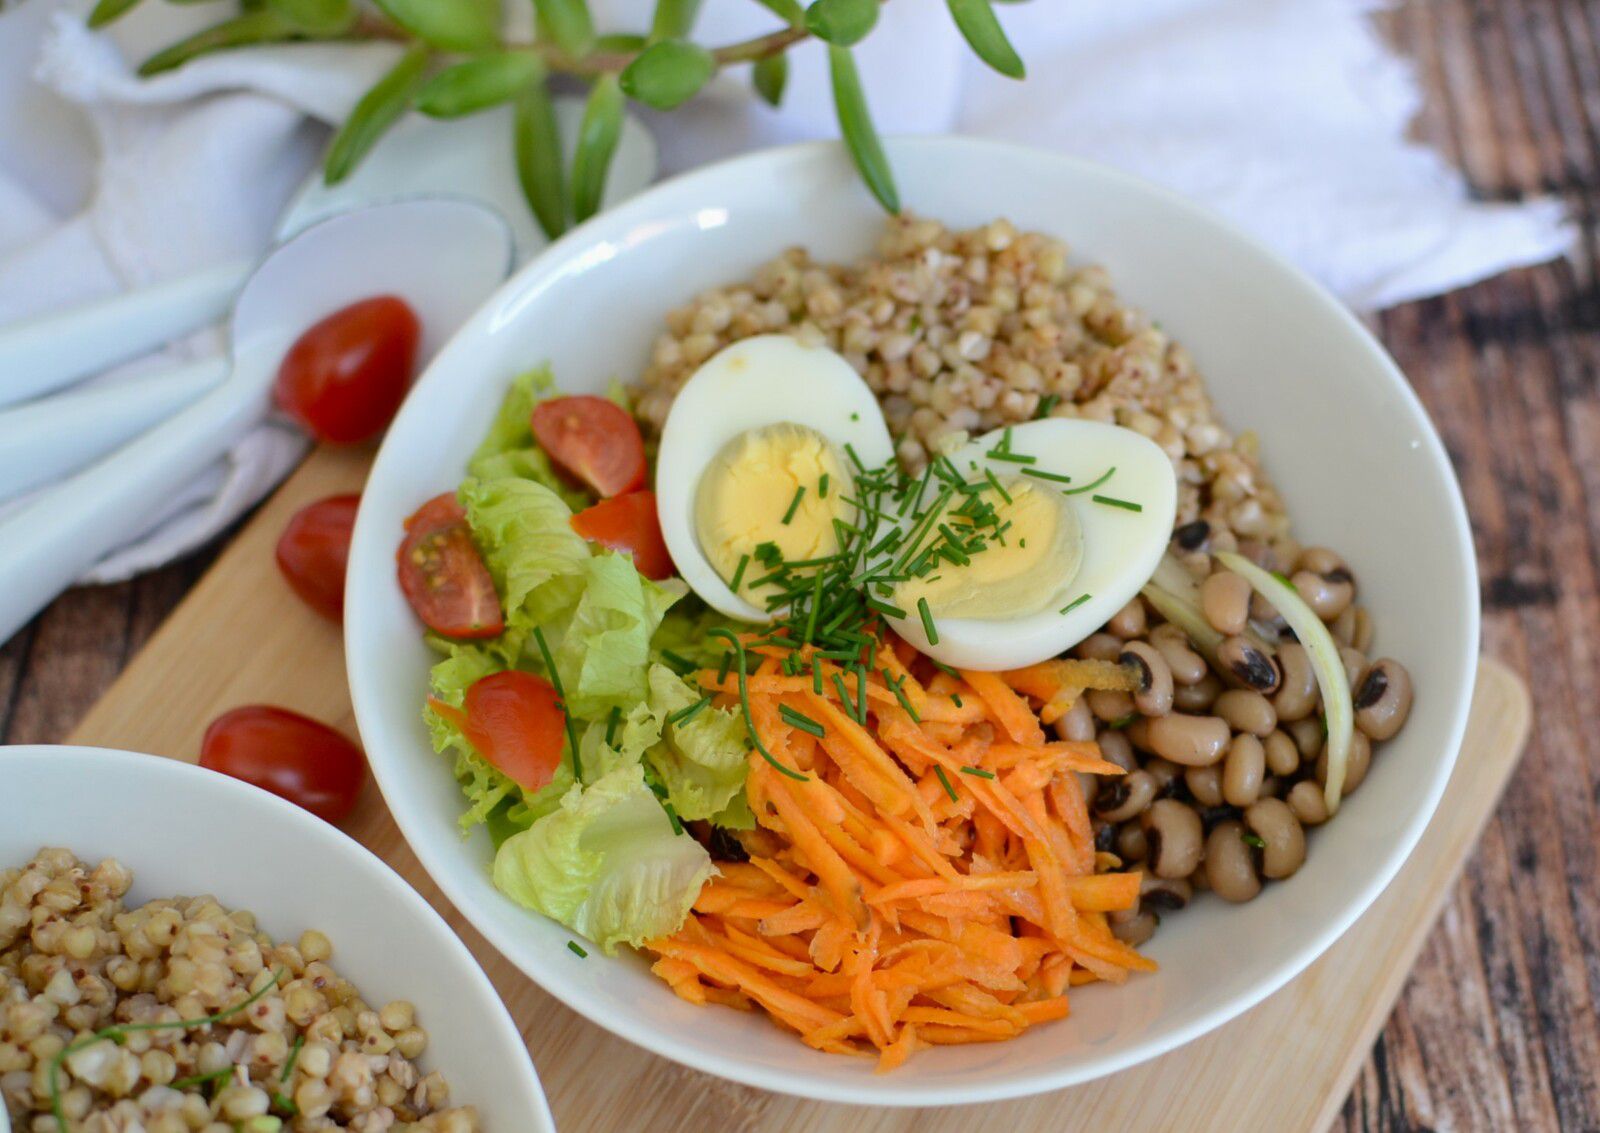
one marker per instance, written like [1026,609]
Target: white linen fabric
[1288,116]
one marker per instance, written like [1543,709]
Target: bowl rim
[552,263]
[331,840]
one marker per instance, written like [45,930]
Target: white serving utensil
[468,157]
[443,257]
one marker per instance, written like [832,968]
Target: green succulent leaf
[673,19]
[538,149]
[986,37]
[770,76]
[789,11]
[316,17]
[107,10]
[597,144]
[860,135]
[567,23]
[378,109]
[479,83]
[450,25]
[842,22]
[265,26]
[668,73]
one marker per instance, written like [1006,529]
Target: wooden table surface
[1498,1026]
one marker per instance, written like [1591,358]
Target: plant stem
[373,26]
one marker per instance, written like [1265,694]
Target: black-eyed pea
[1076,724]
[1230,866]
[1153,697]
[1383,698]
[1099,647]
[1205,784]
[1246,710]
[1124,797]
[1166,775]
[1321,560]
[1243,770]
[1115,748]
[1109,705]
[1128,622]
[1135,928]
[1328,595]
[1249,664]
[1355,663]
[1308,803]
[1225,601]
[1174,838]
[1296,697]
[1198,697]
[1308,735]
[1131,846]
[1164,894]
[1194,741]
[1284,842]
[1355,767]
[1188,667]
[1283,757]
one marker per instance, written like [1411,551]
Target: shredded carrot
[932,881]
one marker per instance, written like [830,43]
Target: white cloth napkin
[1289,116]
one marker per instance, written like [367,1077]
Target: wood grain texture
[1305,1042]
[1497,1027]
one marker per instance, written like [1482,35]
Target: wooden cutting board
[241,637]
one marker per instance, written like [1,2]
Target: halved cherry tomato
[291,755]
[313,550]
[593,439]
[628,523]
[443,575]
[344,378]
[515,721]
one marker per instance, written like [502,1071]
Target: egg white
[1120,548]
[766,380]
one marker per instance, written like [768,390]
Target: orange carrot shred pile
[891,916]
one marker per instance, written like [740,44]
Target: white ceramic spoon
[470,158]
[443,257]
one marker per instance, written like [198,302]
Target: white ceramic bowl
[1343,434]
[184,830]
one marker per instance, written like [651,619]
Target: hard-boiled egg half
[1069,522]
[757,453]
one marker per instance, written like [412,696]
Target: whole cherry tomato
[628,523]
[344,379]
[444,577]
[514,719]
[291,755]
[594,440]
[313,550]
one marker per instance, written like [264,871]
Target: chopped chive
[1012,457]
[955,698]
[887,543]
[1041,474]
[738,574]
[800,720]
[1255,840]
[612,720]
[294,1056]
[844,694]
[722,675]
[672,817]
[816,677]
[927,621]
[1075,603]
[1122,722]
[886,608]
[816,602]
[1092,485]
[943,668]
[577,950]
[898,688]
[988,474]
[978,771]
[855,416]
[675,661]
[850,451]
[744,704]
[861,694]
[944,781]
[794,504]
[217,1075]
[1046,404]
[561,697]
[688,712]
[822,487]
[1005,439]
[1126,505]
[955,554]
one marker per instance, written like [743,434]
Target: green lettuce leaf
[509,448]
[604,649]
[606,864]
[537,560]
[684,633]
[701,760]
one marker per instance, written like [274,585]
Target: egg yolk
[1022,572]
[747,497]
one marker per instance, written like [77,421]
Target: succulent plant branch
[457,62]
